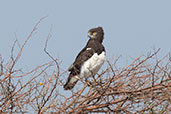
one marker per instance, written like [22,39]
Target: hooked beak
[89,35]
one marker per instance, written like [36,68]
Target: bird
[89,60]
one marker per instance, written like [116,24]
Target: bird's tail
[72,80]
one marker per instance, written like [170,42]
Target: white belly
[92,65]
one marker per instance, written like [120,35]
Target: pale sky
[132,27]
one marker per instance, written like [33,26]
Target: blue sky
[132,27]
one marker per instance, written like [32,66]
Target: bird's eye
[94,33]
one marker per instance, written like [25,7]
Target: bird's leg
[87,81]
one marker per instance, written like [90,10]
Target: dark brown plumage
[93,46]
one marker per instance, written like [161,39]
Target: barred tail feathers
[72,80]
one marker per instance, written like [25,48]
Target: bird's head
[96,33]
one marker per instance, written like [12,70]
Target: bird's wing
[84,55]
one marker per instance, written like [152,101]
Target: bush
[140,87]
